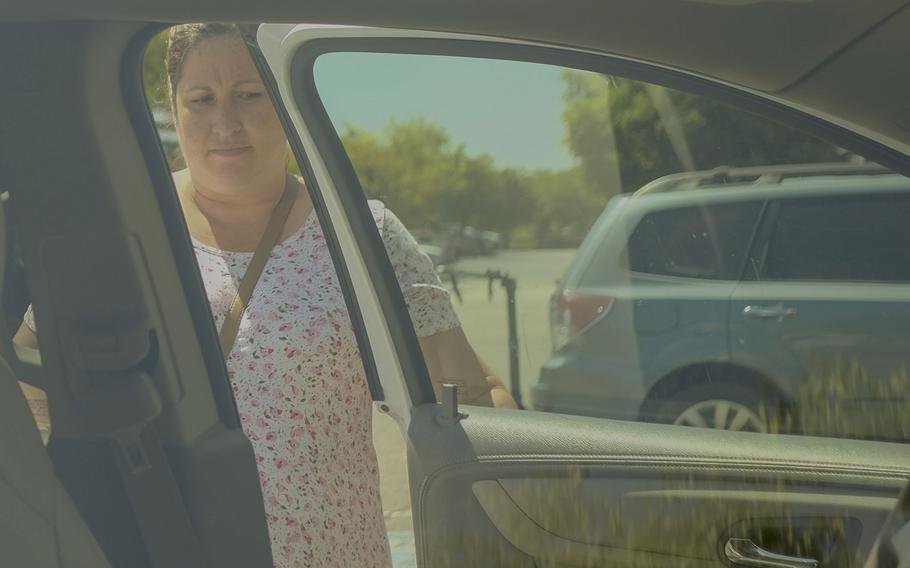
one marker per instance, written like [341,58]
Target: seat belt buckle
[132,450]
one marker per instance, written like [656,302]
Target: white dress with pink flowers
[302,394]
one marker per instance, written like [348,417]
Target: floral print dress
[302,393]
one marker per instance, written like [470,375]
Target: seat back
[39,525]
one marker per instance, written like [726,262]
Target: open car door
[496,487]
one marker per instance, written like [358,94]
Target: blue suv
[770,299]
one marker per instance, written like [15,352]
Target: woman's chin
[232,170]
[228,180]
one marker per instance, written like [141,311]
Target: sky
[509,110]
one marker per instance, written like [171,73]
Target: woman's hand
[451,359]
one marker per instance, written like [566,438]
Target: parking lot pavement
[485,324]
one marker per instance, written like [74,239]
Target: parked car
[732,298]
[465,240]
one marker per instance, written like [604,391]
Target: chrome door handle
[744,552]
[769,312]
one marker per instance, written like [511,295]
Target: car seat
[39,525]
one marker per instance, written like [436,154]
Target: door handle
[744,552]
[778,312]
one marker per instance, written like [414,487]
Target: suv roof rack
[757,175]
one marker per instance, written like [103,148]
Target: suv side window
[694,242]
[848,239]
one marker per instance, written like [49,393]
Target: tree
[589,130]
[409,167]
[600,107]
[154,76]
[566,207]
[429,182]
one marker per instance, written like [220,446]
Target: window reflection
[676,259]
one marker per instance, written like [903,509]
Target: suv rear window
[855,239]
[706,241]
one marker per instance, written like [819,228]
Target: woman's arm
[448,355]
[451,359]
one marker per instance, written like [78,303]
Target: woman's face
[228,129]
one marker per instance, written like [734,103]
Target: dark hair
[182,40]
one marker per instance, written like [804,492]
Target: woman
[294,365]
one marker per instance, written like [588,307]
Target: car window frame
[320,127]
[179,241]
[755,257]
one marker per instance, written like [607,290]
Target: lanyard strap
[231,325]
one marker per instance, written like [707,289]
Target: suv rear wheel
[722,406]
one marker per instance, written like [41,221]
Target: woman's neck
[241,206]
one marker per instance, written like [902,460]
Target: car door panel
[844,340]
[591,492]
[755,515]
[829,311]
[509,488]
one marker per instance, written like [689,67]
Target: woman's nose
[226,120]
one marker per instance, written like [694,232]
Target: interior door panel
[570,492]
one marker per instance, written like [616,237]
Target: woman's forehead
[218,61]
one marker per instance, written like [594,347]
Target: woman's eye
[247,96]
[203,99]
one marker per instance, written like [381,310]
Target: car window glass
[572,195]
[846,239]
[698,242]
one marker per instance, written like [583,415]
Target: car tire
[723,406]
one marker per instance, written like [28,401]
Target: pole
[510,284]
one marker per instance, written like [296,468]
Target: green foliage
[566,207]
[154,76]
[589,132]
[841,398]
[429,182]
[716,134]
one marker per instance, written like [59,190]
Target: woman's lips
[231,151]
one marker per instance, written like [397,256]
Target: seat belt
[267,242]
[160,511]
[153,492]
[123,408]
[141,460]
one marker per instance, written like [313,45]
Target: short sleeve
[429,303]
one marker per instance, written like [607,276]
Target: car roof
[788,188]
[766,175]
[798,51]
